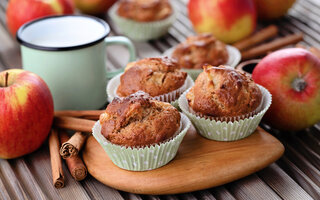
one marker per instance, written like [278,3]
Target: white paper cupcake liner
[141,31]
[142,158]
[227,131]
[171,97]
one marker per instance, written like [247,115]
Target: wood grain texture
[302,179]
[251,188]
[278,180]
[13,186]
[4,193]
[29,182]
[221,193]
[199,164]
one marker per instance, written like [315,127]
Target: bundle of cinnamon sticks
[251,47]
[61,145]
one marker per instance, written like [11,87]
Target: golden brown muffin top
[144,10]
[139,121]
[224,92]
[199,50]
[155,76]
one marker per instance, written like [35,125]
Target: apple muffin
[144,10]
[138,121]
[155,76]
[223,92]
[200,49]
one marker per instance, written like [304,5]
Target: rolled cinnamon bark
[72,123]
[56,164]
[73,145]
[271,46]
[75,164]
[87,114]
[257,38]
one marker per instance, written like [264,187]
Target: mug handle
[122,41]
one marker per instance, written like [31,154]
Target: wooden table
[295,176]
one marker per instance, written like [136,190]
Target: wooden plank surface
[294,176]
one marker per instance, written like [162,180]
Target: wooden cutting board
[199,164]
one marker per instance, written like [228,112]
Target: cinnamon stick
[271,46]
[75,164]
[56,165]
[257,38]
[72,146]
[72,123]
[87,114]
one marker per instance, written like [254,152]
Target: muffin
[139,133]
[155,76]
[143,20]
[224,92]
[200,49]
[144,10]
[138,121]
[225,104]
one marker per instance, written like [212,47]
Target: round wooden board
[199,164]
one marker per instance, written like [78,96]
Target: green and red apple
[26,112]
[93,7]
[272,9]
[228,20]
[293,78]
[22,11]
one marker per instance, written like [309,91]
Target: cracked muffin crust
[155,76]
[144,10]
[200,49]
[224,92]
[139,121]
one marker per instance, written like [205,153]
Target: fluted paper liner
[141,31]
[143,158]
[233,60]
[226,131]
[171,97]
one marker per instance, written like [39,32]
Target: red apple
[26,112]
[272,9]
[22,11]
[293,78]
[228,20]
[93,7]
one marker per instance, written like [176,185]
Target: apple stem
[6,79]
[299,84]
